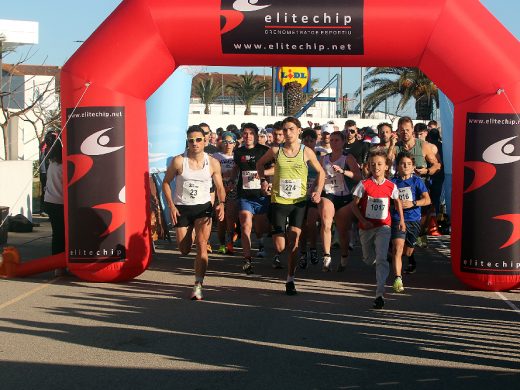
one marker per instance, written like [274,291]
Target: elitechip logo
[248,5]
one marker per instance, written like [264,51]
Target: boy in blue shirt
[413,195]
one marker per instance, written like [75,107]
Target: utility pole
[361,103]
[273,109]
[340,102]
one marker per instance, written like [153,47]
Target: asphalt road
[63,333]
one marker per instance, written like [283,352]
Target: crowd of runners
[381,187]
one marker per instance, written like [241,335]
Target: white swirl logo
[94,145]
[248,5]
[500,152]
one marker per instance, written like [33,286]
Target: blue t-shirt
[410,189]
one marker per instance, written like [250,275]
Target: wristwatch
[414,203]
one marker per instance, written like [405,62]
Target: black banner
[96,190]
[327,27]
[491,205]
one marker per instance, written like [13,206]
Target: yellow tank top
[290,178]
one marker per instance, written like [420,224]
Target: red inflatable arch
[457,43]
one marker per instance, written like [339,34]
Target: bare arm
[310,157]
[267,157]
[173,170]
[219,187]
[354,172]
[430,157]
[399,207]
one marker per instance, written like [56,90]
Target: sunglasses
[228,142]
[352,131]
[197,140]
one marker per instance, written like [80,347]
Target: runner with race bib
[372,199]
[190,206]
[289,192]
[341,174]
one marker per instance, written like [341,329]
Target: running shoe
[398,285]
[411,268]
[261,253]
[222,249]
[314,256]
[342,264]
[229,248]
[248,267]
[326,263]
[303,260]
[196,294]
[290,289]
[379,303]
[277,264]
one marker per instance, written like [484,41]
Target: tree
[248,88]
[408,83]
[13,101]
[208,91]
[293,97]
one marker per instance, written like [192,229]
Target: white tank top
[192,186]
[335,181]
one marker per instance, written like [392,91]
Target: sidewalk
[63,333]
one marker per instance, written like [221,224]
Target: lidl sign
[287,74]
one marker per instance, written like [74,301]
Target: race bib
[405,193]
[194,192]
[377,208]
[332,184]
[291,188]
[249,180]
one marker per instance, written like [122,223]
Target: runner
[253,205]
[226,228]
[371,207]
[289,192]
[341,175]
[312,216]
[413,195]
[190,206]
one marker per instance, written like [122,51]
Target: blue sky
[62,22]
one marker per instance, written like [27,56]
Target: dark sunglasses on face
[352,131]
[195,140]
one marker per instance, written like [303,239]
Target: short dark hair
[251,126]
[195,129]
[434,136]
[404,154]
[277,125]
[404,119]
[420,127]
[383,124]
[309,133]
[232,128]
[379,152]
[339,134]
[293,120]
[350,123]
[432,122]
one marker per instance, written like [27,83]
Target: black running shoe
[290,289]
[303,260]
[314,256]
[410,269]
[379,303]
[277,264]
[248,267]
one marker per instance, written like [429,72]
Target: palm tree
[404,82]
[248,88]
[208,91]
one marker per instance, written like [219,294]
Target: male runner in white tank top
[191,206]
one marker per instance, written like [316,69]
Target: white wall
[16,187]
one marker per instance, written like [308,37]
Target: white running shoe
[326,263]
[196,294]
